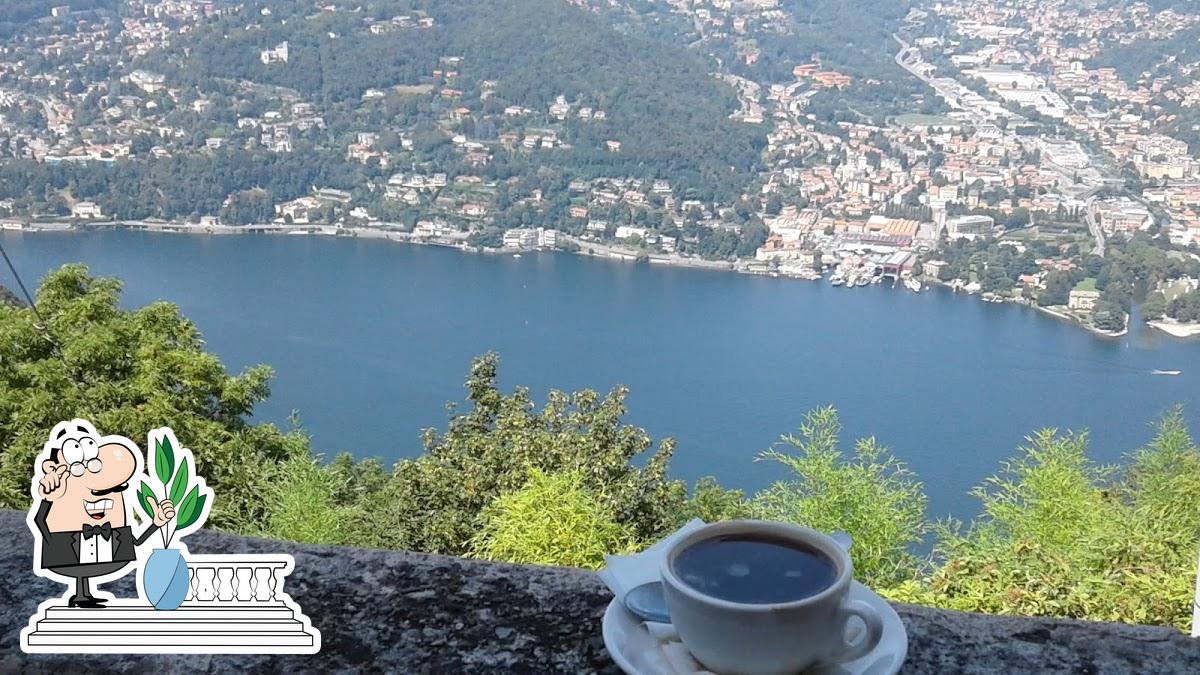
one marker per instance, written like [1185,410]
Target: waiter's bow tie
[104,530]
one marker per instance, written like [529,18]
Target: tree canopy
[130,372]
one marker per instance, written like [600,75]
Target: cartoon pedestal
[84,535]
[235,604]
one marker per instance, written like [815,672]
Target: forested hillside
[665,108]
[16,15]
[1132,59]
[852,37]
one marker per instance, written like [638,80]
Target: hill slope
[662,105]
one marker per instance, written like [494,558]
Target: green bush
[871,496]
[554,519]
[301,504]
[1060,536]
[432,502]
[711,503]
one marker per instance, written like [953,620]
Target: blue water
[371,339]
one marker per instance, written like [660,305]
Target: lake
[370,340]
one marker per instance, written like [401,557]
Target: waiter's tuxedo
[72,549]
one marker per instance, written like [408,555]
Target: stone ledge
[410,612]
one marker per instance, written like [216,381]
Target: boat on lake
[1165,372]
[912,285]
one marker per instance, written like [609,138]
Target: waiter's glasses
[92,465]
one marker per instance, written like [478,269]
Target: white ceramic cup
[783,638]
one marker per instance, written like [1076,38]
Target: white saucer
[626,636]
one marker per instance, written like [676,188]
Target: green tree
[247,207]
[554,519]
[711,503]
[871,496]
[1108,316]
[1058,288]
[995,280]
[1155,306]
[433,502]
[1185,307]
[774,204]
[129,372]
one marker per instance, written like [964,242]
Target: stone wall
[412,613]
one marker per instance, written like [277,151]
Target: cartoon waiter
[81,520]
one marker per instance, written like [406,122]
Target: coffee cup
[752,597]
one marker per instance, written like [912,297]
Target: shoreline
[1052,312]
[1176,329]
[586,249]
[1097,331]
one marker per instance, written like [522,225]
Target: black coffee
[755,569]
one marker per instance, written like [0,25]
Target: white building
[970,227]
[86,210]
[1068,154]
[629,232]
[1123,215]
[147,81]
[277,54]
[523,238]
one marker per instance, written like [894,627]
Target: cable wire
[41,324]
[20,283]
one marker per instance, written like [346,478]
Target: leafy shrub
[1060,536]
[872,496]
[432,502]
[554,519]
[711,503]
[300,504]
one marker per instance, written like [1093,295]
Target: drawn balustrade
[234,580]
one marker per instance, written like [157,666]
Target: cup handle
[849,651]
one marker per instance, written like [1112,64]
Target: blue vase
[165,578]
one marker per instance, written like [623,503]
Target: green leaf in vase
[142,493]
[195,513]
[179,483]
[184,511]
[164,459]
